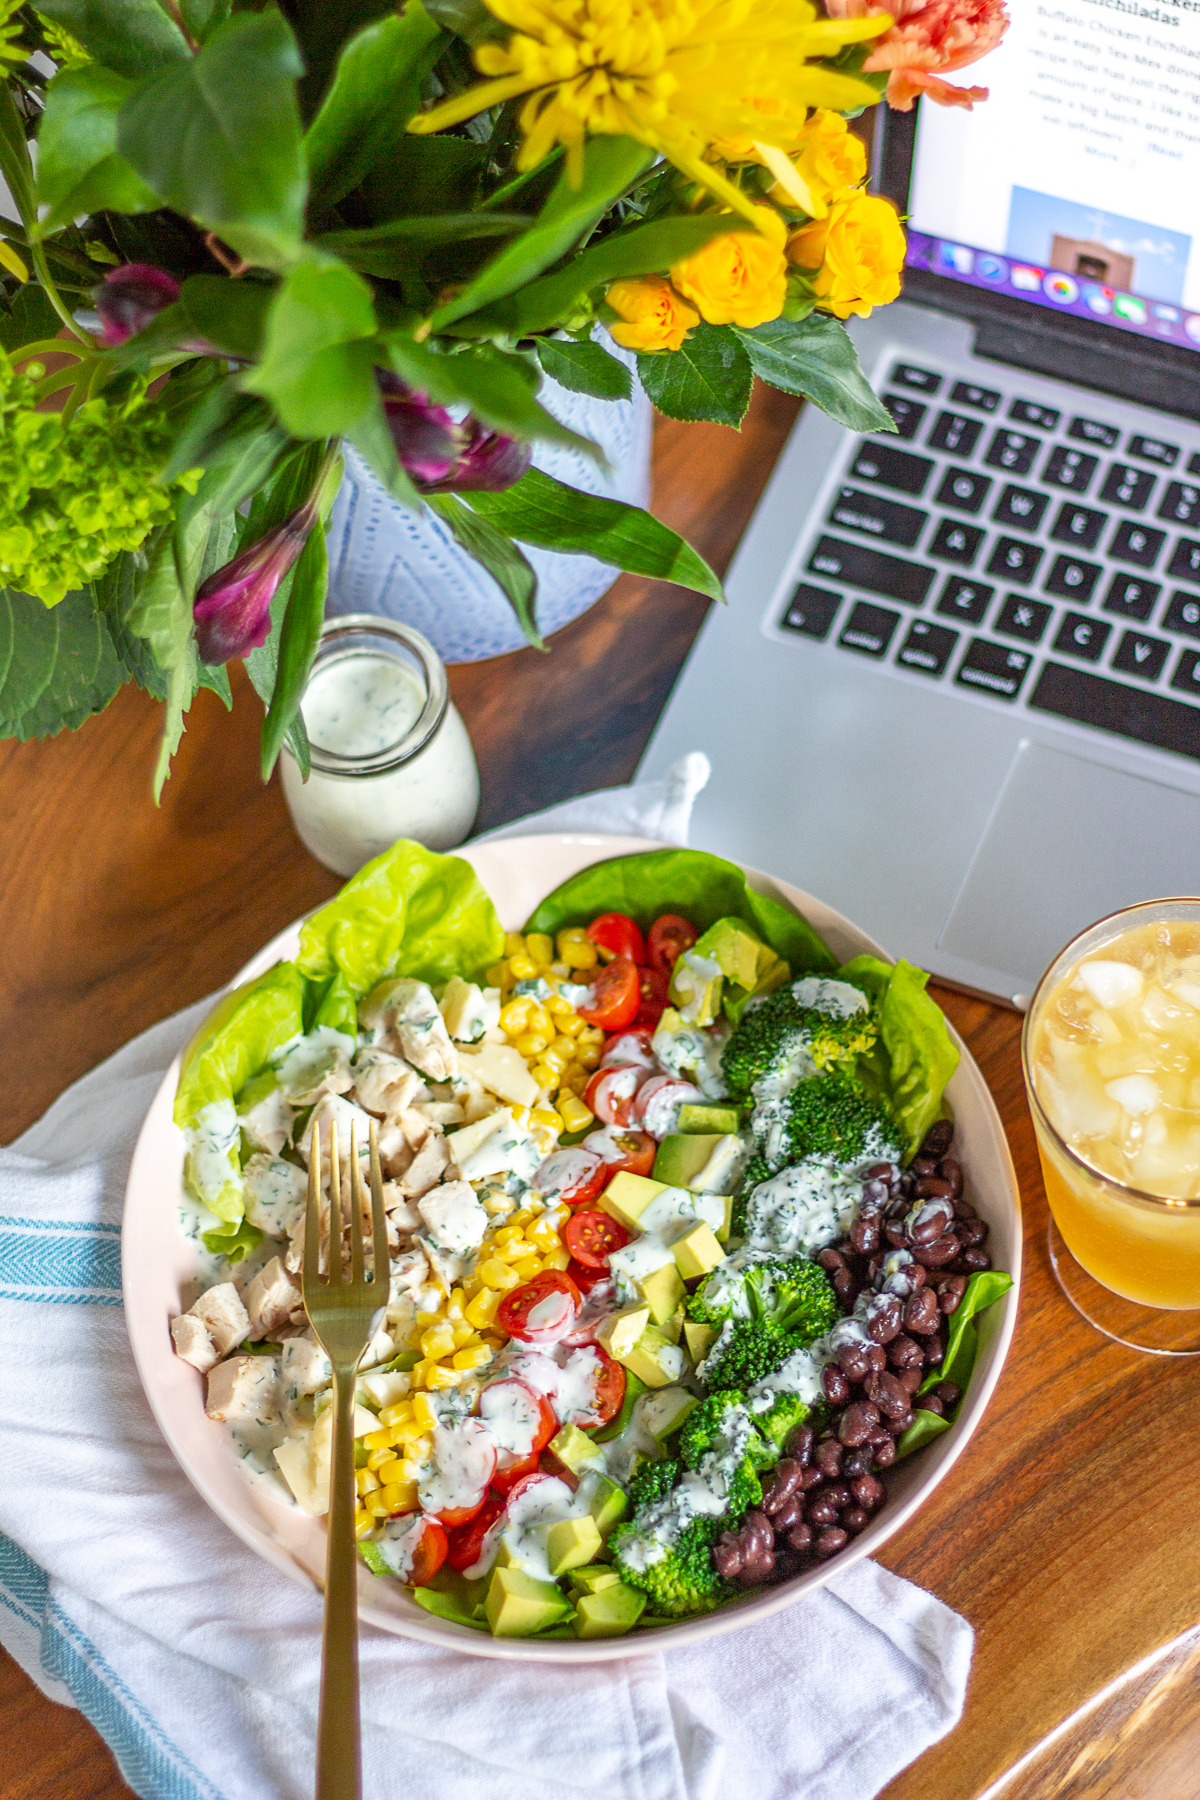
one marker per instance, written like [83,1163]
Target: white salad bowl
[159,1270]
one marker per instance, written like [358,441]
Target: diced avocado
[699,1340]
[573,1448]
[673,1327]
[608,1505]
[620,1331]
[664,1411]
[468,1593]
[627,1196]
[609,1613]
[654,1359]
[615,1426]
[572,1542]
[734,948]
[662,1291]
[592,1578]
[697,1252]
[703,1162]
[696,984]
[720,1120]
[518,1605]
[771,973]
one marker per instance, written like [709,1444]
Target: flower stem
[38,257]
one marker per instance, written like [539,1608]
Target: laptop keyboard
[1028,555]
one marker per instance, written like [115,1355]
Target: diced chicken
[293,1258]
[426,1168]
[271,1299]
[410,1272]
[385,1083]
[305,1368]
[268,1124]
[408,1013]
[316,1064]
[454,1216]
[221,1311]
[275,1193]
[401,1210]
[244,1388]
[192,1342]
[442,1112]
[330,1113]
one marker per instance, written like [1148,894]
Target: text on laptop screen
[1076,185]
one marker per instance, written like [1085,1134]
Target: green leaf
[920,1053]
[232,436]
[262,666]
[203,16]
[494,385]
[234,1243]
[468,19]
[219,140]
[373,440]
[392,250]
[642,250]
[424,175]
[376,89]
[114,592]
[79,170]
[297,644]
[508,566]
[29,319]
[540,510]
[925,1427]
[982,1291]
[134,37]
[318,356]
[238,1037]
[15,165]
[610,165]
[232,315]
[57,665]
[816,358]
[585,367]
[709,377]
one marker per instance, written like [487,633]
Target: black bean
[948,1392]
[810,1479]
[935,1350]
[799,1444]
[789,1514]
[864,1235]
[856,1462]
[727,1554]
[883,1319]
[821,1510]
[904,1353]
[857,1423]
[831,1259]
[975,1260]
[920,1166]
[843,1285]
[930,1187]
[911,1379]
[877,1356]
[950,1292]
[950,1169]
[938,1139]
[943,1250]
[963,1209]
[971,1232]
[921,1312]
[931,1403]
[854,1520]
[800,1537]
[875,1192]
[885,1454]
[868,1492]
[900,1423]
[854,1360]
[837,1388]
[829,1542]
[881,1171]
[885,1392]
[895,1234]
[930,1222]
[839,1493]
[829,1457]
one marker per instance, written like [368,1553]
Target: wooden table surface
[1066,1533]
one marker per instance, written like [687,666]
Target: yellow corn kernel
[455,1304]
[389,1471]
[498,976]
[408,1469]
[540,1020]
[507,1234]
[498,1274]
[463,1334]
[525,1215]
[474,1356]
[521,967]
[375,1504]
[365,1480]
[547,1079]
[552,1062]
[556,1259]
[378,1440]
[575,1114]
[514,943]
[408,1431]
[441,1376]
[580,956]
[496,1204]
[520,1115]
[482,1309]
[593,1035]
[556,1006]
[513,1017]
[543,1235]
[364,1523]
[438,1340]
[562,1046]
[526,1267]
[531,1043]
[570,1024]
[560,971]
[395,1415]
[540,946]
[424,1414]
[588,1055]
[570,934]
[401,1496]
[377,1458]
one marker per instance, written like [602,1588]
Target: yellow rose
[830,160]
[655,317]
[858,253]
[737,280]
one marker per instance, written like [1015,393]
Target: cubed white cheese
[454,1216]
[502,1070]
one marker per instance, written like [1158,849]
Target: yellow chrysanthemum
[675,75]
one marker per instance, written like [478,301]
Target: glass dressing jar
[390,754]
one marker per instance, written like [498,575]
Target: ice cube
[1135,1094]
[1159,1009]
[1111,983]
[1185,990]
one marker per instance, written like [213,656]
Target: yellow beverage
[1112,1062]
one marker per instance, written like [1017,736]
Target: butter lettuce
[919,1055]
[240,1035]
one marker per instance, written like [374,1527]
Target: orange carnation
[655,317]
[857,252]
[929,39]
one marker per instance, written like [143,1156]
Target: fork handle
[339,1749]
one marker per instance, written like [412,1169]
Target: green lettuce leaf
[235,1242]
[408,912]
[701,887]
[919,1051]
[338,1008]
[962,1339]
[238,1037]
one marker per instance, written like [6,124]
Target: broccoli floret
[747,1350]
[756,1170]
[790,1292]
[776,1033]
[651,1483]
[680,1582]
[832,1116]
[721,1427]
[785,1412]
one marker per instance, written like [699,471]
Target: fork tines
[312,1218]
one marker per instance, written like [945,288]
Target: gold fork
[345,1314]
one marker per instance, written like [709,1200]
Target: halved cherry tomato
[465,1542]
[585,1279]
[670,936]
[615,996]
[610,1093]
[571,1176]
[522,1422]
[656,1107]
[623,1150]
[654,987]
[427,1546]
[523,1486]
[619,935]
[608,1395]
[591,1237]
[513,1313]
[629,1047]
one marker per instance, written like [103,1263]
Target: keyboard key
[1013,451]
[1032,412]
[1131,597]
[956,433]
[1072,579]
[956,543]
[884,519]
[811,611]
[963,490]
[897,469]
[869,629]
[1193,467]
[909,376]
[1183,614]
[1080,636]
[1022,618]
[1114,706]
[1140,655]
[1185,560]
[927,648]
[1020,507]
[1181,504]
[1070,469]
[860,567]
[964,600]
[1092,431]
[1130,488]
[1080,525]
[968,393]
[1186,679]
[1148,449]
[994,668]
[1014,559]
[906,414]
[1134,543]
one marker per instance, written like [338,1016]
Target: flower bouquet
[257,232]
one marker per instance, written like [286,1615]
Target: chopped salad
[680,1259]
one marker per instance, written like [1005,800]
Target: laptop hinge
[1112,369]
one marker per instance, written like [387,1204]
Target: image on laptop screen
[1077,186]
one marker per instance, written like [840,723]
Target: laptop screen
[1076,185]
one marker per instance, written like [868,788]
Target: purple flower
[489,463]
[130,297]
[232,609]
[444,455]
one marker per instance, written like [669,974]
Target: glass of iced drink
[1111,1053]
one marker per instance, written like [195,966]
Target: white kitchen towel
[123,1595]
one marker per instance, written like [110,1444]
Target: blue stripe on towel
[61,1263]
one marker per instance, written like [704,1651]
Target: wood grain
[1066,1531]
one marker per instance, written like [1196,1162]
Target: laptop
[956,689]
